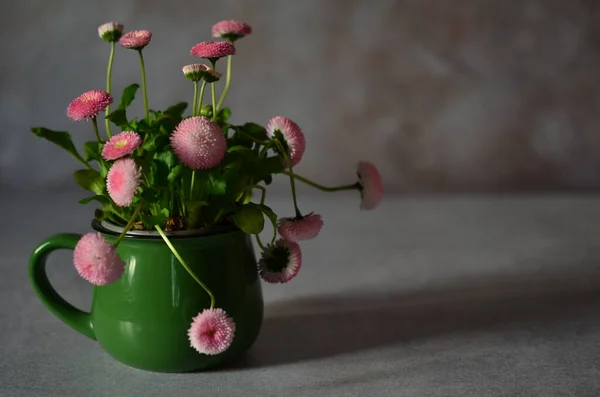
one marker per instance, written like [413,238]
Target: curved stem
[130,223]
[212,93]
[199,111]
[95,124]
[291,174]
[144,83]
[108,81]
[321,187]
[259,141]
[186,267]
[263,192]
[227,83]
[195,98]
[260,244]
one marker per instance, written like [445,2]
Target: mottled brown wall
[443,95]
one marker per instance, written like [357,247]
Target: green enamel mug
[142,319]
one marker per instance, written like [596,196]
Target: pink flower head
[96,260]
[371,188]
[212,331]
[110,31]
[122,181]
[213,50]
[121,145]
[280,262]
[297,229]
[199,143]
[136,39]
[88,105]
[291,134]
[231,30]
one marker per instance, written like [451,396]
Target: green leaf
[150,195]
[177,110]
[92,151]
[255,130]
[271,215]
[156,143]
[217,186]
[175,172]
[118,117]
[250,219]
[167,157]
[223,116]
[60,138]
[206,111]
[90,180]
[128,96]
[101,199]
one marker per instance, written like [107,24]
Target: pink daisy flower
[122,181]
[136,39]
[292,135]
[298,229]
[371,188]
[213,50]
[199,143]
[212,331]
[96,260]
[280,262]
[110,31]
[231,30]
[121,145]
[88,105]
[195,71]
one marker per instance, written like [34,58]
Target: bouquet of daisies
[175,170]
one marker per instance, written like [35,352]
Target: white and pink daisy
[195,71]
[371,187]
[231,30]
[110,31]
[88,105]
[199,143]
[298,229]
[213,50]
[96,260]
[122,181]
[136,39]
[212,331]
[121,145]
[291,134]
[280,262]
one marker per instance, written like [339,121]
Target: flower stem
[321,187]
[95,123]
[260,244]
[227,83]
[199,111]
[259,141]
[213,94]
[186,267]
[144,83]
[263,192]
[130,223]
[108,81]
[195,98]
[291,174]
[192,184]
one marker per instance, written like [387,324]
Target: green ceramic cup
[142,319]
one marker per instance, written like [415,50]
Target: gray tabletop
[447,296]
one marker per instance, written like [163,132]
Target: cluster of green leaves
[220,196]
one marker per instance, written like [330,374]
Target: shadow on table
[326,326]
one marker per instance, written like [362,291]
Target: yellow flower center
[120,144]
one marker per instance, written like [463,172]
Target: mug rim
[109,228]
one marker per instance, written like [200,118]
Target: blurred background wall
[443,95]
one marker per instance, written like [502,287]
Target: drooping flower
[110,31]
[96,260]
[199,143]
[136,39]
[231,30]
[121,145]
[212,75]
[298,229]
[212,331]
[292,135]
[371,188]
[280,262]
[122,181]
[88,105]
[213,50]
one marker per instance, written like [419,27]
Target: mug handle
[79,320]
